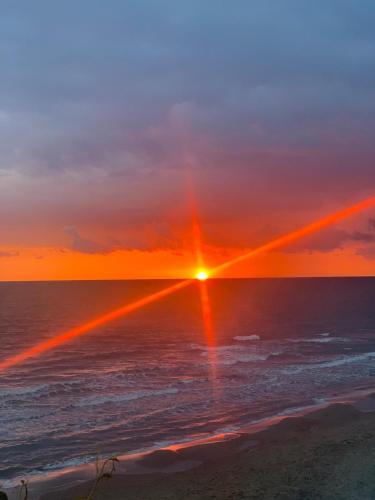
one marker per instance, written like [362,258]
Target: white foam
[325,340]
[246,337]
[322,339]
[232,357]
[345,360]
[242,358]
[348,360]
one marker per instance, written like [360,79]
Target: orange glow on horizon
[122,311]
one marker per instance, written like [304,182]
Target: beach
[327,454]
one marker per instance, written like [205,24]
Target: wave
[348,360]
[39,390]
[323,339]
[245,358]
[131,396]
[230,355]
[23,391]
[69,385]
[230,358]
[333,363]
[222,348]
[246,337]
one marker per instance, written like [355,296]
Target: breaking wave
[246,337]
[322,339]
[343,360]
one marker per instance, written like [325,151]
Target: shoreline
[161,460]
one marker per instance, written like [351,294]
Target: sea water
[146,380]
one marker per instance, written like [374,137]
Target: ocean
[146,381]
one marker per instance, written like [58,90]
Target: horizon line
[328,276]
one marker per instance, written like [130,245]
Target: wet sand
[326,454]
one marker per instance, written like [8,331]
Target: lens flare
[133,306]
[202,275]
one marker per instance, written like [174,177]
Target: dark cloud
[156,236]
[367,252]
[4,254]
[82,245]
[271,104]
[333,239]
[79,83]
[363,237]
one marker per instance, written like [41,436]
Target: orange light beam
[201,275]
[207,315]
[122,311]
[210,337]
[296,235]
[90,325]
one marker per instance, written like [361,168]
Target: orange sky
[104,112]
[343,248]
[51,264]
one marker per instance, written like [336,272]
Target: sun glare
[201,275]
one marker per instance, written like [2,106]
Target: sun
[201,275]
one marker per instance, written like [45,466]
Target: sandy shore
[326,454]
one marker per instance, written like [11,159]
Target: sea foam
[246,337]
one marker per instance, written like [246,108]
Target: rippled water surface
[145,380]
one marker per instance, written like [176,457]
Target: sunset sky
[111,111]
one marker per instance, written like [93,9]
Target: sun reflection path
[210,338]
[277,243]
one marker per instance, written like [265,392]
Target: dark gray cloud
[4,254]
[82,83]
[333,239]
[81,244]
[368,252]
[273,101]
[159,235]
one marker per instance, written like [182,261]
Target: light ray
[286,239]
[207,315]
[210,338]
[128,308]
[201,276]
[91,325]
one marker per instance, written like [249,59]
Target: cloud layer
[105,105]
